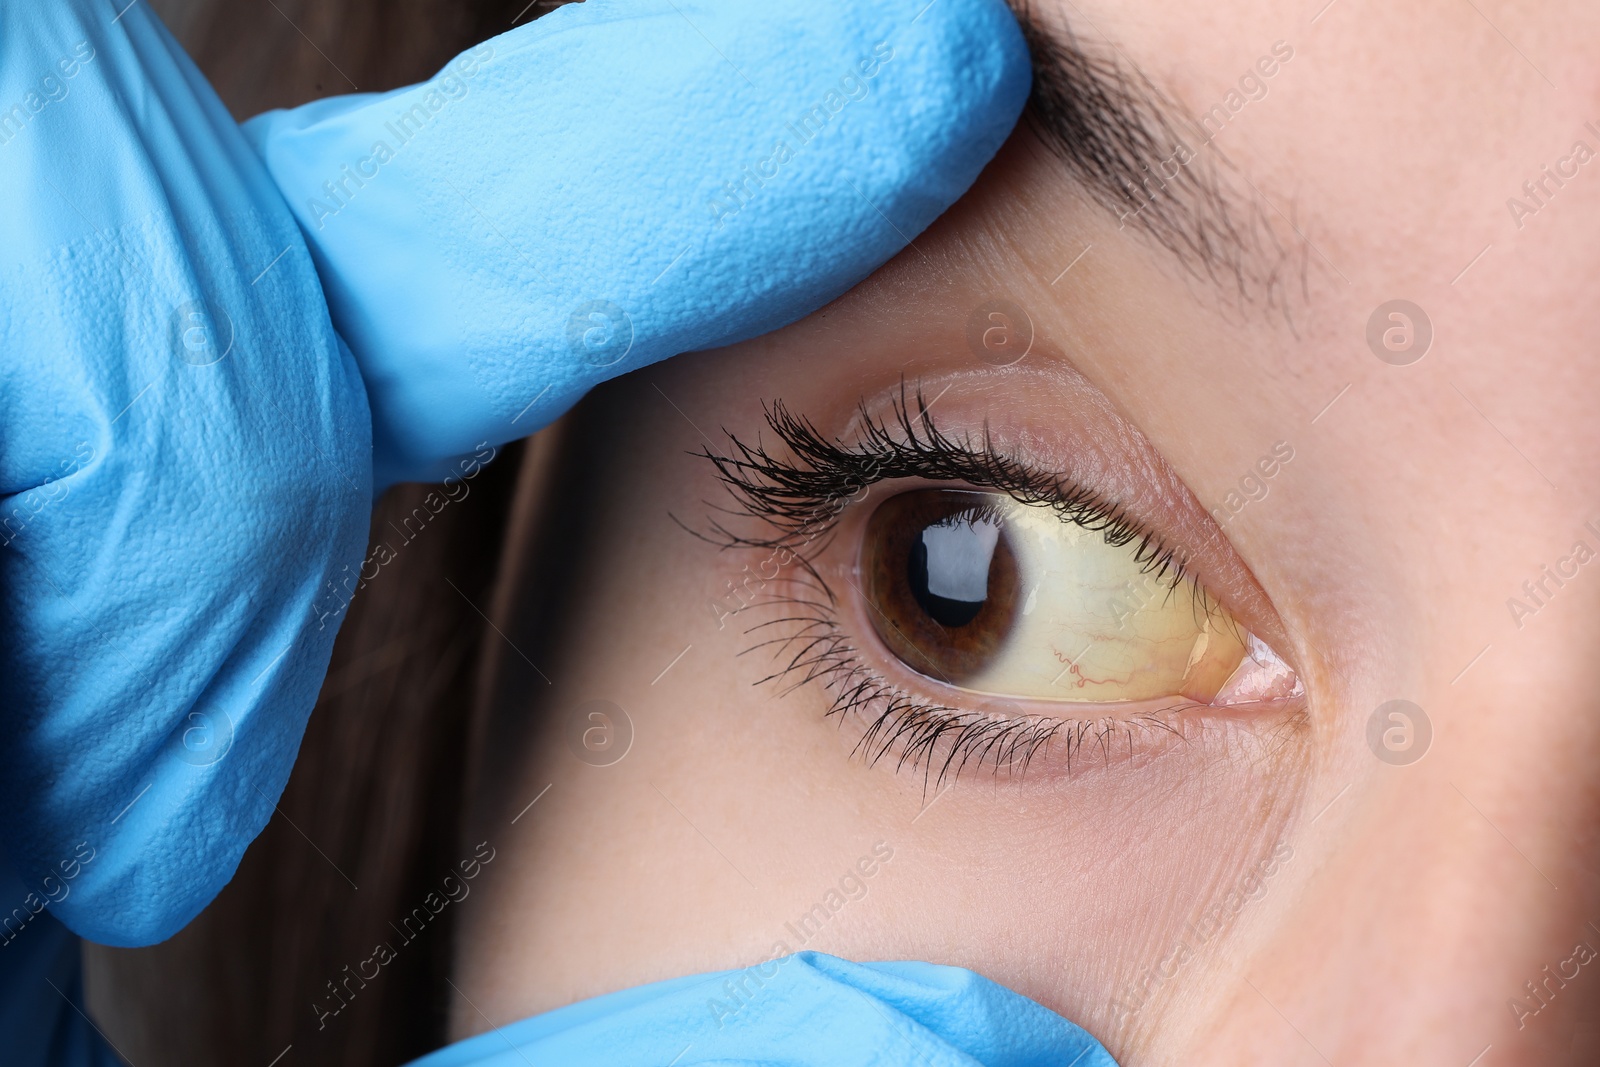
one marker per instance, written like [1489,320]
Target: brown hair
[375,800]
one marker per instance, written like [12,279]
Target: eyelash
[799,501]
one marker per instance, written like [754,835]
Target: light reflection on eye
[997,597]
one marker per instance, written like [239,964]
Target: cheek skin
[737,809]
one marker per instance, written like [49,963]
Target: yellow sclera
[1089,624]
[1095,626]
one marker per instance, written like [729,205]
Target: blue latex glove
[805,1010]
[678,176]
[42,1022]
[185,462]
[186,451]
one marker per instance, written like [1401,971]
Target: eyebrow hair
[1119,136]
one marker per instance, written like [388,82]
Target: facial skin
[1331,906]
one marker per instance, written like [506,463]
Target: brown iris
[941,580]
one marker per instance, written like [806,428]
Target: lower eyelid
[911,723]
[908,718]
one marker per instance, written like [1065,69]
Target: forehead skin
[1378,161]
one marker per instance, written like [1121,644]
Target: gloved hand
[186,451]
[41,988]
[624,181]
[804,1010]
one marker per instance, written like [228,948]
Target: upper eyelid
[803,497]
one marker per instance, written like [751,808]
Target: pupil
[948,570]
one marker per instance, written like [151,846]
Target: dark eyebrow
[1119,136]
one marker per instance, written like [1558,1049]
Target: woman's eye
[998,597]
